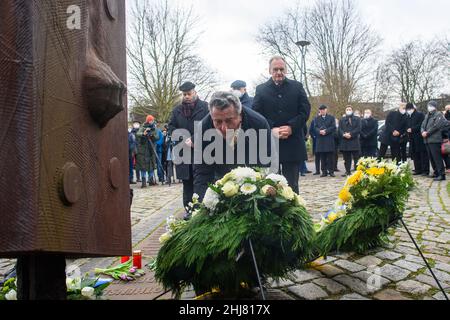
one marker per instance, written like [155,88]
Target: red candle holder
[137,259]
[124,259]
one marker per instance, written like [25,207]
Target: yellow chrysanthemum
[332,217]
[360,168]
[355,178]
[345,195]
[376,171]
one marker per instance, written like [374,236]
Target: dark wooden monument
[64,189]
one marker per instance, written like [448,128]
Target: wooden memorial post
[64,189]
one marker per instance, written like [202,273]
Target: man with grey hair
[283,102]
[230,122]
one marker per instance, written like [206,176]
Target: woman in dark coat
[349,131]
[417,147]
[145,157]
[325,127]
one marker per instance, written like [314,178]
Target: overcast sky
[236,22]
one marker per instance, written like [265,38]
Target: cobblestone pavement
[392,273]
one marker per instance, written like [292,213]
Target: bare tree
[162,55]
[341,51]
[416,71]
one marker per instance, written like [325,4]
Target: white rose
[87,292]
[278,179]
[230,189]
[73,284]
[288,193]
[211,199]
[300,201]
[11,295]
[241,174]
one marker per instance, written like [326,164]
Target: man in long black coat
[369,134]
[325,127]
[417,147]
[183,117]
[283,102]
[349,132]
[394,129]
[227,113]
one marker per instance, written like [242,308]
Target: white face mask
[402,111]
[237,93]
[431,109]
[136,126]
[410,112]
[349,113]
[367,115]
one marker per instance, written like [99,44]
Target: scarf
[188,108]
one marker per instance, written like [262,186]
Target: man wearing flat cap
[239,89]
[325,128]
[183,117]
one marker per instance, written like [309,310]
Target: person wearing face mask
[395,127]
[349,132]
[369,130]
[417,146]
[239,89]
[431,130]
[183,117]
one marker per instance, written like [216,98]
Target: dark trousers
[131,172]
[421,161]
[395,151]
[336,159]
[369,152]
[327,162]
[317,162]
[435,155]
[290,171]
[188,191]
[403,155]
[348,155]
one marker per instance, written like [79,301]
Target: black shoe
[440,178]
[417,173]
[316,173]
[347,174]
[323,175]
[337,170]
[425,174]
[307,171]
[132,182]
[332,175]
[302,175]
[144,184]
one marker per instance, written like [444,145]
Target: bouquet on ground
[372,199]
[9,290]
[124,271]
[211,252]
[86,288]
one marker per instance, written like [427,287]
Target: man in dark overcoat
[349,132]
[325,127]
[417,147]
[183,116]
[284,103]
[369,135]
[394,129]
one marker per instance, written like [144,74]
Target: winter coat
[395,121]
[434,124]
[285,105]
[325,143]
[179,121]
[131,144]
[145,157]
[204,173]
[351,125]
[414,122]
[246,101]
[369,133]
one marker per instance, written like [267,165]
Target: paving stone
[415,259]
[306,275]
[440,295]
[388,255]
[329,270]
[405,250]
[390,294]
[331,286]
[429,280]
[411,266]
[275,294]
[393,273]
[413,287]
[350,266]
[443,266]
[441,275]
[281,283]
[353,296]
[308,291]
[369,261]
[353,283]
[373,279]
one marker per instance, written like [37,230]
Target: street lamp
[302,45]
